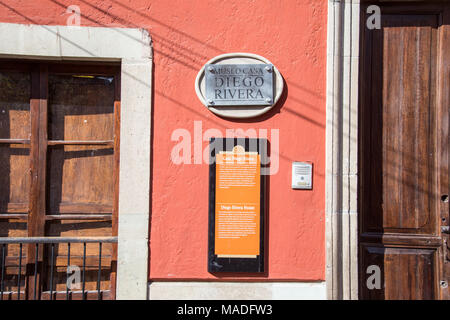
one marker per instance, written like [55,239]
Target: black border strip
[249,265]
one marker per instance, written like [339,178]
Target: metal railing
[32,268]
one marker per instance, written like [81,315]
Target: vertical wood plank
[115,213]
[43,138]
[38,136]
[443,97]
[34,186]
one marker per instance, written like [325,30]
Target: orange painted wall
[292,35]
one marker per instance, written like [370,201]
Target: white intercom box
[302,175]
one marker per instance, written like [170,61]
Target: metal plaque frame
[236,264]
[239,84]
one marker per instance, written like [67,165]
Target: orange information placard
[237,204]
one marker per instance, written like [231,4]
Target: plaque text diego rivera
[239,84]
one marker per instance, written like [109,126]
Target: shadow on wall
[187,58]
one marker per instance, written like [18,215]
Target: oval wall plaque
[239,85]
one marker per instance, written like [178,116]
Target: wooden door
[59,138]
[404,146]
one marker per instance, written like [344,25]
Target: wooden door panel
[15,122]
[402,126]
[406,273]
[409,61]
[13,228]
[81,179]
[15,93]
[81,107]
[14,178]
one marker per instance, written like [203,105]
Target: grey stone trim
[342,149]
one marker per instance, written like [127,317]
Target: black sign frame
[247,265]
